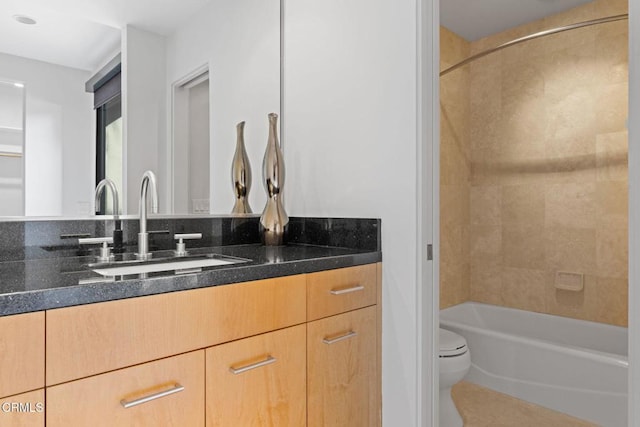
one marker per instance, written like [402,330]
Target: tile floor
[481,407]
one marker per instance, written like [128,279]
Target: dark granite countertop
[46,283]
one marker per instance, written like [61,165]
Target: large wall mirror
[190,70]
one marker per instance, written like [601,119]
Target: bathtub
[572,366]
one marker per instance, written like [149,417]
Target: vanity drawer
[167,392]
[23,410]
[258,381]
[21,353]
[336,291]
[95,338]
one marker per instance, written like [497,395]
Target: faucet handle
[181,249]
[105,250]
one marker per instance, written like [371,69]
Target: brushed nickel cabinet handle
[346,290]
[346,336]
[268,361]
[130,403]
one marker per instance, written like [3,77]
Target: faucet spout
[114,193]
[148,180]
[117,228]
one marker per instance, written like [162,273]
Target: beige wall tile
[612,252]
[571,115]
[612,296]
[571,249]
[454,205]
[451,244]
[524,289]
[612,110]
[486,282]
[486,205]
[450,284]
[523,246]
[572,159]
[571,205]
[611,7]
[612,205]
[523,204]
[486,243]
[612,50]
[611,156]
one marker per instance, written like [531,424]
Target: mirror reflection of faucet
[148,180]
[118,246]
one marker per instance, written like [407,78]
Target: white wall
[240,41]
[144,111]
[350,107]
[60,140]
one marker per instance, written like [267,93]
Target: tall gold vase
[241,174]
[274,219]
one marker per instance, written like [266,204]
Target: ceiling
[475,19]
[84,33]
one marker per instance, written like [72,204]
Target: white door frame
[634,211]
[428,217]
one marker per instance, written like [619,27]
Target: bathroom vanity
[289,338]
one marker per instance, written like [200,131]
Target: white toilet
[455,362]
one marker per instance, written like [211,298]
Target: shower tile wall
[454,173]
[547,152]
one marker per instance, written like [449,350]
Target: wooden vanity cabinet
[289,351]
[258,381]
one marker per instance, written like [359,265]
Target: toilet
[455,362]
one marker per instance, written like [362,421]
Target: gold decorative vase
[274,219]
[241,174]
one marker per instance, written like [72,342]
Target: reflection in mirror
[238,43]
[11,148]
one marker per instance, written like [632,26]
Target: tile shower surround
[547,165]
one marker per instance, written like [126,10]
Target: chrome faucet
[114,193]
[148,179]
[117,231]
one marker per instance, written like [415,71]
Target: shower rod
[534,36]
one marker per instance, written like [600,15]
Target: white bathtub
[572,366]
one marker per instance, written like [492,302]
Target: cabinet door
[21,353]
[167,392]
[258,381]
[23,410]
[342,381]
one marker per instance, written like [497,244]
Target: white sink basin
[180,266]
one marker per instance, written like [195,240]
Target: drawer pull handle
[346,336]
[268,361]
[130,403]
[346,290]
